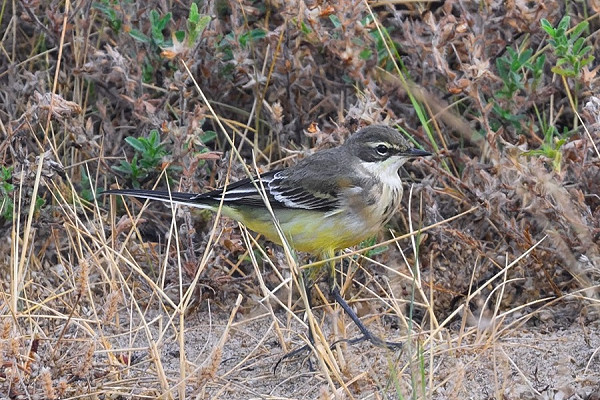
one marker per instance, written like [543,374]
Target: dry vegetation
[105,299]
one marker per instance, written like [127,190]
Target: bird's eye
[382,149]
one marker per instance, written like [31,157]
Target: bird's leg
[366,334]
[335,293]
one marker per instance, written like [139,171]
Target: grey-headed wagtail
[331,200]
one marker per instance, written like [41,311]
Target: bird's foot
[375,341]
[306,348]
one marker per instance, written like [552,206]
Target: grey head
[379,142]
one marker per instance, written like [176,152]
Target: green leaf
[6,173]
[154,137]
[578,30]
[147,72]
[180,36]
[525,56]
[547,26]
[113,20]
[305,28]
[564,23]
[135,143]
[256,34]
[586,61]
[159,23]
[6,208]
[203,23]
[365,54]
[208,137]
[196,25]
[124,168]
[165,20]
[335,20]
[194,16]
[39,202]
[578,45]
[563,72]
[251,36]
[139,36]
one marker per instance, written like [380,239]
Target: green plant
[383,56]
[374,251]
[157,25]
[109,8]
[250,36]
[39,202]
[304,28]
[196,24]
[569,47]
[161,44]
[148,156]
[505,115]
[551,148]
[512,69]
[6,188]
[519,71]
[229,44]
[243,40]
[87,191]
[7,204]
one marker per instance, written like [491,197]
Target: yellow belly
[321,233]
[313,232]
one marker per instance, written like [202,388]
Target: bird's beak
[417,153]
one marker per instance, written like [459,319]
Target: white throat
[387,171]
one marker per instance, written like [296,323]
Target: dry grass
[490,273]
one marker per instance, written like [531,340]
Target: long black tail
[188,199]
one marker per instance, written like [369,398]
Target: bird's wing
[294,193]
[281,191]
[240,193]
[312,184]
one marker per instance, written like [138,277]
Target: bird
[331,200]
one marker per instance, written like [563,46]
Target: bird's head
[382,145]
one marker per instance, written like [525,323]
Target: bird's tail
[188,199]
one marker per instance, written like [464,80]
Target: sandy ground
[533,361]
